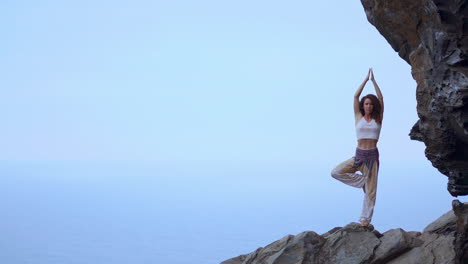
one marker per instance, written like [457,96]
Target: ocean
[186,212]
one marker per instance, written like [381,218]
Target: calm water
[192,212]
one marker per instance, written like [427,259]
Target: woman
[368,114]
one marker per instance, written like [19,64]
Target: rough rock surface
[443,241]
[393,243]
[432,36]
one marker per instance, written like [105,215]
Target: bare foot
[364,223]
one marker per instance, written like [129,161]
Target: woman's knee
[336,173]
[339,171]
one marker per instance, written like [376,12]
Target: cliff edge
[442,241]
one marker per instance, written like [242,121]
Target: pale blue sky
[182,82]
[191,80]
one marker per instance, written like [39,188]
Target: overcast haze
[184,80]
[225,117]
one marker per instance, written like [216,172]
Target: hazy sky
[200,80]
[191,80]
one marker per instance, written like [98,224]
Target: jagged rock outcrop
[442,241]
[432,36]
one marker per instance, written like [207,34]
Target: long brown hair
[376,112]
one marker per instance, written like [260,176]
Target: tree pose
[368,114]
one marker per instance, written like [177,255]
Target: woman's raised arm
[358,94]
[377,91]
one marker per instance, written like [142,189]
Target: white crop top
[366,129]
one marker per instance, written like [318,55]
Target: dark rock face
[443,241]
[432,36]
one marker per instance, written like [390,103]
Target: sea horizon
[193,211]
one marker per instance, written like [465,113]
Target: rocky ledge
[443,241]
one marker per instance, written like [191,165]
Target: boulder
[290,249]
[351,244]
[393,243]
[436,249]
[442,225]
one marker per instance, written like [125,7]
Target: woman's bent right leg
[346,173]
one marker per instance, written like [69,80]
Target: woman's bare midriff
[367,143]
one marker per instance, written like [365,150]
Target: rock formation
[432,36]
[443,241]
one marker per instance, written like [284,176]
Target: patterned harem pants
[367,162]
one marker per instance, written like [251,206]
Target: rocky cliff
[443,241]
[432,36]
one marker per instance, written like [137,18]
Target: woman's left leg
[370,188]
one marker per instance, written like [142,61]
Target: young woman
[368,114]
